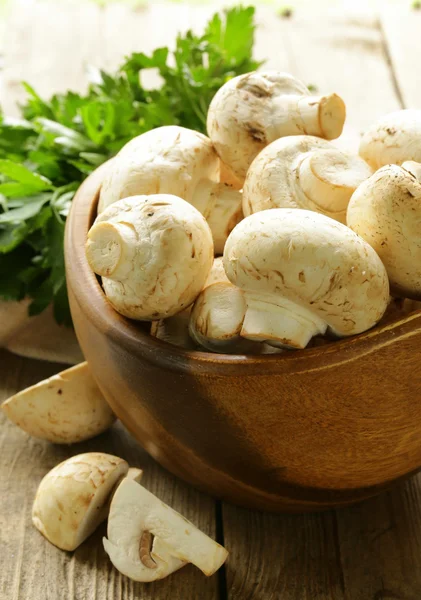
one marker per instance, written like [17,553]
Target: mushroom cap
[64,409]
[72,499]
[217,273]
[311,261]
[303,171]
[157,257]
[174,330]
[165,160]
[135,511]
[252,110]
[386,212]
[394,138]
[217,319]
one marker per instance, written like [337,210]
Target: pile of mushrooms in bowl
[255,344]
[313,240]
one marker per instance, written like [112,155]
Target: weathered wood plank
[380,545]
[401,28]
[33,569]
[49,47]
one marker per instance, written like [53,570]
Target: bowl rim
[128,334]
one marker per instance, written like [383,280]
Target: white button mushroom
[179,161]
[73,498]
[175,330]
[386,212]
[217,273]
[217,319]
[303,172]
[251,111]
[64,409]
[302,273]
[148,540]
[154,254]
[394,138]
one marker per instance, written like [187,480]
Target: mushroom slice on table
[73,498]
[148,540]
[250,111]
[386,212]
[395,138]
[179,161]
[64,409]
[303,171]
[303,273]
[154,254]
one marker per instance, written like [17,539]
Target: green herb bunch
[45,155]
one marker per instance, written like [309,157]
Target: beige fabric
[37,337]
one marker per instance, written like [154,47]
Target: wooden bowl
[304,430]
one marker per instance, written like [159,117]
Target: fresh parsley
[46,154]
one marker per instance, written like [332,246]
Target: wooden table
[368,552]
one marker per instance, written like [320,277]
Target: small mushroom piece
[395,138]
[148,540]
[64,409]
[386,212]
[303,171]
[250,111]
[73,498]
[179,161]
[154,254]
[217,319]
[303,273]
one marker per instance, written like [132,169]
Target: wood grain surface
[367,552]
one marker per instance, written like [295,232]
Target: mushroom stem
[414,168]
[329,177]
[110,249]
[322,116]
[221,205]
[283,325]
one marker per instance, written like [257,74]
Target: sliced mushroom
[303,273]
[73,498]
[395,138]
[303,172]
[154,254]
[179,161]
[64,409]
[148,540]
[217,319]
[252,110]
[386,212]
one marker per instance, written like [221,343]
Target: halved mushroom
[179,161]
[250,111]
[148,540]
[386,212]
[303,273]
[73,498]
[303,172]
[395,138]
[154,254]
[64,409]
